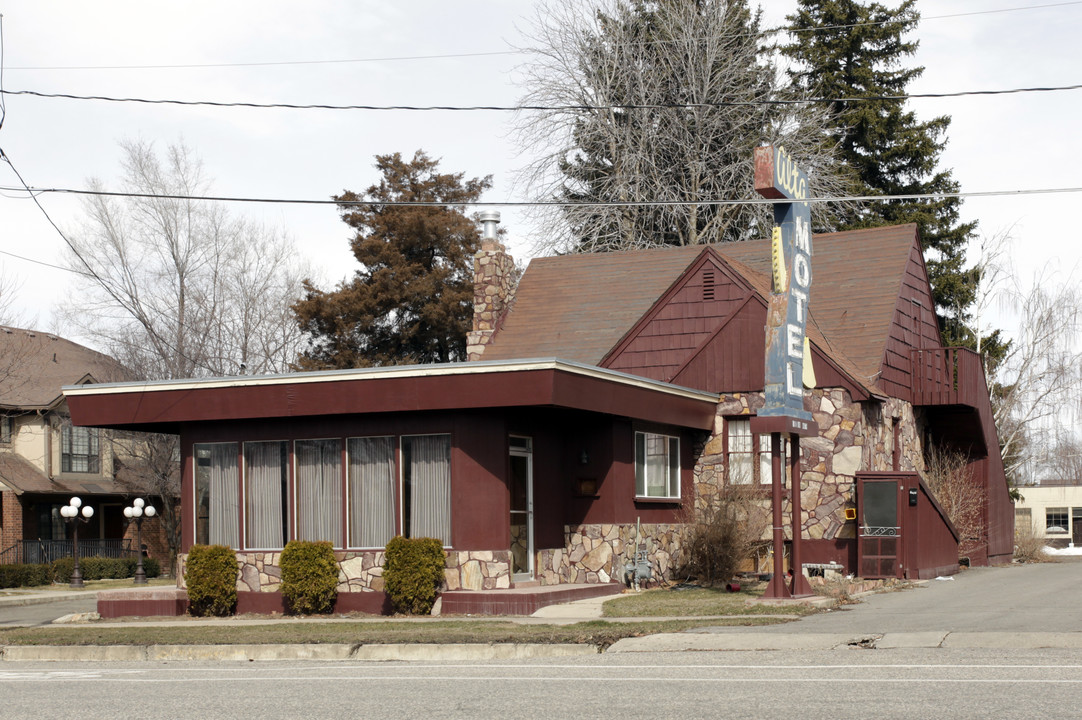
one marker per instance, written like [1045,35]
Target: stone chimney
[493,287]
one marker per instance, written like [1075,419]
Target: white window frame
[759,455]
[671,443]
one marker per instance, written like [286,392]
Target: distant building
[45,460]
[1053,510]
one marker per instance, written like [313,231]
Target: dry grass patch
[597,632]
[699,601]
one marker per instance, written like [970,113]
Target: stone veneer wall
[596,553]
[362,571]
[852,438]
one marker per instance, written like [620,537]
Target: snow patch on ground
[1063,551]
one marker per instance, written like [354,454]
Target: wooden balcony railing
[948,376]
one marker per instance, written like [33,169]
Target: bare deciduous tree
[173,288]
[700,86]
[948,477]
[1037,383]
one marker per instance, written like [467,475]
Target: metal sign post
[788,357]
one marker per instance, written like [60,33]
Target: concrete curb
[325,652]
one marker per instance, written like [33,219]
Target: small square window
[657,466]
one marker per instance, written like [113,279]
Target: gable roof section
[35,365]
[584,306]
[577,307]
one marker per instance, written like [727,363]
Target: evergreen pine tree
[412,299]
[846,49]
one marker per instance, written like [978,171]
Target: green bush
[211,577]
[101,568]
[309,577]
[413,573]
[13,576]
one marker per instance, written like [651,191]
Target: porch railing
[948,376]
[46,551]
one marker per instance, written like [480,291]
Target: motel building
[607,397]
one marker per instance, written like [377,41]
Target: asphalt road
[46,612]
[1014,598]
[832,685]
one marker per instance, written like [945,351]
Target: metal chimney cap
[490,218]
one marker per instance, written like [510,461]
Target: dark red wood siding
[681,321]
[914,326]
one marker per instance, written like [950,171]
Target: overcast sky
[343,53]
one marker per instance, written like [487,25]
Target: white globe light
[75,502]
[127,512]
[65,511]
[138,502]
[88,511]
[137,511]
[150,511]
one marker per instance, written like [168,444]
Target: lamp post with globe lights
[73,516]
[136,513]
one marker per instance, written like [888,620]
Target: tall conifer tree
[846,49]
[411,301]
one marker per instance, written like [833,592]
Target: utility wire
[764,33]
[543,108]
[542,203]
[91,273]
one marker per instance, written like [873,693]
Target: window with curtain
[79,449]
[747,455]
[426,486]
[319,490]
[266,488]
[217,506]
[371,488]
[657,466]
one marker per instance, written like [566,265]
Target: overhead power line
[544,108]
[34,191]
[445,56]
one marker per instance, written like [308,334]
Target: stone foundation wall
[597,553]
[853,437]
[478,570]
[362,571]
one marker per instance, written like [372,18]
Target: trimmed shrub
[211,577]
[101,568]
[309,577]
[413,573]
[13,576]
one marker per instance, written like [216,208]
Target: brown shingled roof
[579,306]
[34,365]
[22,476]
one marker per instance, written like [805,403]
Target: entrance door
[521,486]
[1076,526]
[880,531]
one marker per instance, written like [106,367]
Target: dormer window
[7,429]
[80,449]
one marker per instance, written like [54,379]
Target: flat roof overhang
[165,406]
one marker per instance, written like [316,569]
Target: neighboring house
[608,394]
[45,460]
[1052,510]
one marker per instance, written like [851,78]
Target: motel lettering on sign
[788,358]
